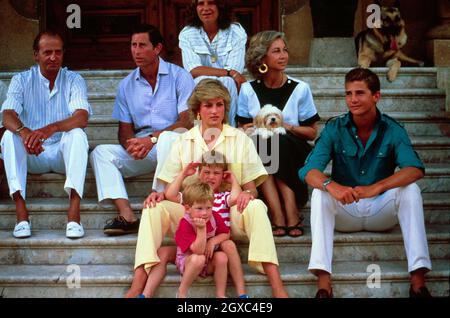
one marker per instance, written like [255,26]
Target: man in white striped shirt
[44,113]
[150,100]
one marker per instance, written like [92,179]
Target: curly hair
[205,90]
[257,49]
[224,20]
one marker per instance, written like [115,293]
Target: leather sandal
[277,228]
[297,226]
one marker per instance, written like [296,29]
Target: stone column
[438,47]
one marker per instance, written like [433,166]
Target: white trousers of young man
[68,156]
[397,206]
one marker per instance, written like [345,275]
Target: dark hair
[224,20]
[154,35]
[48,32]
[365,75]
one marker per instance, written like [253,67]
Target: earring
[263,68]
[198,117]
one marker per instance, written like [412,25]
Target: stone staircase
[39,266]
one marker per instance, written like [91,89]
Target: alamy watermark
[374,279]
[74,19]
[374,19]
[73,280]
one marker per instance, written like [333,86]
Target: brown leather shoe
[323,293]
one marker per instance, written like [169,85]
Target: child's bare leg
[192,268]
[234,265]
[139,279]
[219,266]
[167,255]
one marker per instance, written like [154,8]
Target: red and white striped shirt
[221,206]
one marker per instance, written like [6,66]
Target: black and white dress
[295,101]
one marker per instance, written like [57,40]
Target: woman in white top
[214,47]
[266,59]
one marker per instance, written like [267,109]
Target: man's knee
[409,192]
[99,152]
[76,136]
[9,138]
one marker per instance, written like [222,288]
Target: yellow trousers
[252,223]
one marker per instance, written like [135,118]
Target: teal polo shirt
[353,164]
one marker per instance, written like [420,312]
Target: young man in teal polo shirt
[365,193]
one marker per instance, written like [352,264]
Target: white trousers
[230,84]
[68,156]
[399,205]
[112,163]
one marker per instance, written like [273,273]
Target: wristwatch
[153,139]
[325,183]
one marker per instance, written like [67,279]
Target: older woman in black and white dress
[266,59]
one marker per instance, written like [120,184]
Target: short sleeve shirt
[238,149]
[30,97]
[353,164]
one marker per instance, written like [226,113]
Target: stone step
[53,248]
[332,100]
[104,127]
[350,280]
[437,179]
[431,149]
[317,78]
[51,214]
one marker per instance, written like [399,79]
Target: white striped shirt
[228,46]
[30,97]
[149,110]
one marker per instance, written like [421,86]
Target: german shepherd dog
[384,43]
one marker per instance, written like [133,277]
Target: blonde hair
[257,49]
[198,192]
[213,159]
[205,90]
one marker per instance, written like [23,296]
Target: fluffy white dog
[268,122]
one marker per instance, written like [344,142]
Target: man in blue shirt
[364,191]
[150,100]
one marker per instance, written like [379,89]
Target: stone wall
[16,38]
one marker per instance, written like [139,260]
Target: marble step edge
[433,169]
[436,234]
[325,71]
[330,92]
[291,273]
[430,200]
[401,116]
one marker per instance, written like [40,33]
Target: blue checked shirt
[30,97]
[149,110]
[353,164]
[228,46]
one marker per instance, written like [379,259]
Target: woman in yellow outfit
[209,103]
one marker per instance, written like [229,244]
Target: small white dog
[268,122]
